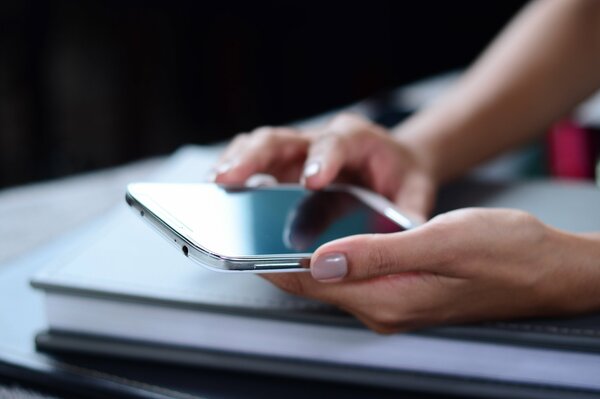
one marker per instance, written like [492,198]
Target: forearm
[545,62]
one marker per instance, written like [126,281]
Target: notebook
[126,292]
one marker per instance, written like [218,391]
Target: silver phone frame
[175,231]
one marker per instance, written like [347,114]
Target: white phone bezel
[179,234]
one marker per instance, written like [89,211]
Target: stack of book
[126,292]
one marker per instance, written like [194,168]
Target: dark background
[89,84]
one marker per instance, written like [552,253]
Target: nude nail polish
[210,177]
[329,267]
[311,169]
[225,167]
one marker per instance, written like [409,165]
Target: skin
[462,266]
[466,265]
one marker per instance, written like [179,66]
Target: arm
[539,68]
[467,265]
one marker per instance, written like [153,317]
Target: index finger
[267,150]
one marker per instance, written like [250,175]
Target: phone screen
[259,221]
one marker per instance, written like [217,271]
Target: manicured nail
[260,180]
[224,167]
[210,177]
[311,169]
[329,267]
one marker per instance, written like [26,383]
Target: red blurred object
[571,151]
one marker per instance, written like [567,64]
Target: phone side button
[271,266]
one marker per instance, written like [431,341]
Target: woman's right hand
[348,149]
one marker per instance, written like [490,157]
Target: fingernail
[332,266]
[210,177]
[224,167]
[311,169]
[261,180]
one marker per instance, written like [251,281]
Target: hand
[466,265]
[348,149]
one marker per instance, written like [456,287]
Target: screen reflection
[244,221]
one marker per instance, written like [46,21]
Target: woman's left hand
[462,266]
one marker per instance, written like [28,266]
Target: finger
[226,158]
[385,304]
[302,284]
[326,157]
[355,297]
[416,197]
[290,171]
[345,142]
[264,149]
[423,249]
[233,148]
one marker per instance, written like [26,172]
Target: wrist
[576,282]
[587,247]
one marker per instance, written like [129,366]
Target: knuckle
[442,229]
[332,139]
[346,129]
[522,218]
[529,227]
[326,144]
[264,133]
[345,119]
[368,135]
[362,135]
[262,130]
[379,260]
[240,138]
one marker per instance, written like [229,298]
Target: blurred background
[91,84]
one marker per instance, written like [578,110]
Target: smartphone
[260,229]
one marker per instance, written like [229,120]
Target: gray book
[127,292]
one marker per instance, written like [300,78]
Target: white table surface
[33,214]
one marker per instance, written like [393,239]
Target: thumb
[371,255]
